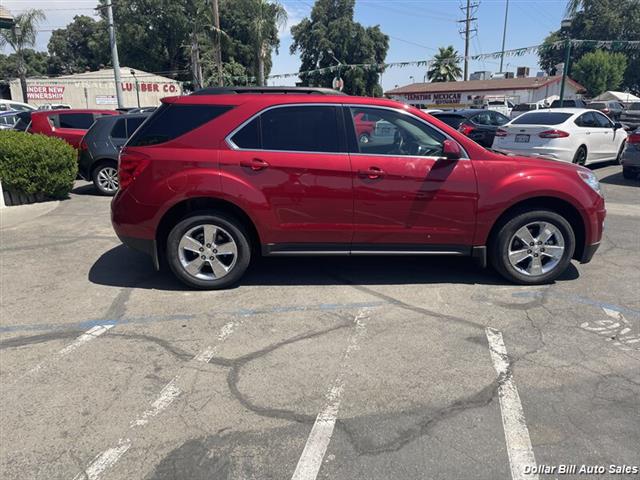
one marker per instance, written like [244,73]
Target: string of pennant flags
[617,45]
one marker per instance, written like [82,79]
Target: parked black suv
[99,149]
[577,103]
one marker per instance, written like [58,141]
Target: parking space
[360,368]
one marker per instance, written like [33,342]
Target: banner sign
[45,92]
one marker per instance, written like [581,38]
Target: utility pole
[217,50]
[504,33]
[467,33]
[114,54]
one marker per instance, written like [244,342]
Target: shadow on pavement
[618,179]
[123,267]
[85,189]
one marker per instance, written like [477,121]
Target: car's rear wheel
[105,178]
[208,251]
[533,247]
[580,158]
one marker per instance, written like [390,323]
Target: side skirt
[310,249]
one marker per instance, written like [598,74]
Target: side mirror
[451,150]
[617,126]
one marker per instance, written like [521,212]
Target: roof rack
[267,90]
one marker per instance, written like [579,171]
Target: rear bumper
[564,155]
[143,245]
[631,157]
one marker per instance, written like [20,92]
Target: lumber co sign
[45,92]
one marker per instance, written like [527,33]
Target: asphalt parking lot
[344,368]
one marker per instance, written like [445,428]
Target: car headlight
[590,179]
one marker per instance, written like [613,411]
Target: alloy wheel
[108,179]
[207,252]
[536,248]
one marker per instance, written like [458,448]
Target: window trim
[228,139]
[342,130]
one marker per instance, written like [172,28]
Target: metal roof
[479,85]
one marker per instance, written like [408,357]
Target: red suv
[70,125]
[214,178]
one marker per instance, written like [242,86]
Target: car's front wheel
[533,247]
[208,251]
[105,178]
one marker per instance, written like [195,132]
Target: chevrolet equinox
[212,179]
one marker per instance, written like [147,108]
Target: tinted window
[602,121]
[301,129]
[173,120]
[567,103]
[451,120]
[483,118]
[522,107]
[249,135]
[598,106]
[133,124]
[119,130]
[586,120]
[408,135]
[541,118]
[81,121]
[24,120]
[498,119]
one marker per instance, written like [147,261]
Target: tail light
[605,110]
[553,134]
[465,128]
[634,138]
[501,133]
[130,166]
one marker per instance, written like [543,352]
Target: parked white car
[8,105]
[573,135]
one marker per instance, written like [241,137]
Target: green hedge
[36,164]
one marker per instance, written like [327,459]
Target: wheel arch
[202,204]
[554,204]
[101,161]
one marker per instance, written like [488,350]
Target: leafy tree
[445,66]
[80,46]
[600,71]
[268,18]
[331,37]
[599,20]
[21,37]
[36,63]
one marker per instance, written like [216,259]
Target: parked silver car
[630,159]
[631,115]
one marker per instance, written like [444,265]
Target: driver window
[390,132]
[602,121]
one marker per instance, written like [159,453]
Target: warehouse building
[475,93]
[97,89]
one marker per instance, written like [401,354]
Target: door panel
[411,199]
[290,157]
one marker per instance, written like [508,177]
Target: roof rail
[267,90]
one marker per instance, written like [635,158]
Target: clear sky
[416,29]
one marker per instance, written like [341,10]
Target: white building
[97,89]
[473,92]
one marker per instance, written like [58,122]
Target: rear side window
[173,120]
[296,129]
[451,120]
[24,120]
[542,118]
[133,124]
[80,121]
[119,129]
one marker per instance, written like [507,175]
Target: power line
[469,11]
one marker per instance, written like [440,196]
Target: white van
[8,105]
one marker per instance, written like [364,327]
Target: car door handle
[254,164]
[371,172]
[587,133]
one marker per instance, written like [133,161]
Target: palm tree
[21,36]
[573,6]
[445,66]
[266,13]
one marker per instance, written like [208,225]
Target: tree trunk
[23,86]
[260,58]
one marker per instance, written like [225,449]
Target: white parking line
[86,337]
[167,395]
[104,460]
[516,432]
[314,450]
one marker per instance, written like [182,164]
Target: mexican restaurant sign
[436,98]
[45,92]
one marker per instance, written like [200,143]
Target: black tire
[230,227]
[101,174]
[580,158]
[629,173]
[499,248]
[619,157]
